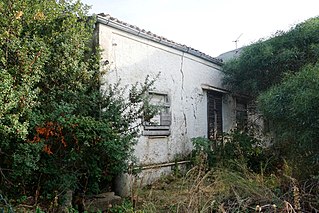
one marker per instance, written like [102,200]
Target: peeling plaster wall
[182,75]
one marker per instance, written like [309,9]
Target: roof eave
[150,36]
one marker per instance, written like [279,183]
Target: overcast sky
[210,26]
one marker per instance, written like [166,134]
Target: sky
[210,26]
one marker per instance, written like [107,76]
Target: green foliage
[243,177]
[125,207]
[263,64]
[4,205]
[21,66]
[293,109]
[58,131]
[236,145]
[281,73]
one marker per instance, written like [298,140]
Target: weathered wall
[182,77]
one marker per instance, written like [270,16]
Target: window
[158,125]
[241,114]
[214,114]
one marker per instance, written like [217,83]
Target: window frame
[214,114]
[241,124]
[150,129]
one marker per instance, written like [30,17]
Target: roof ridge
[160,39]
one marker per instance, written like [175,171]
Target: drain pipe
[163,165]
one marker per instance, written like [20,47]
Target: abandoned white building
[189,86]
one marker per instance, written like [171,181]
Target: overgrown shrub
[224,179]
[58,131]
[236,145]
[292,108]
[264,64]
[281,75]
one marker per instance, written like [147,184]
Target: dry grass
[227,189]
[218,190]
[165,195]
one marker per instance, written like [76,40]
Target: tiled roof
[230,54]
[114,22]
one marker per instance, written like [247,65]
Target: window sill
[156,131]
[156,127]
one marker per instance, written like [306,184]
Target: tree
[23,55]
[292,107]
[58,131]
[281,74]
[264,63]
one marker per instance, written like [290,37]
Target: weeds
[6,206]
[212,190]
[232,184]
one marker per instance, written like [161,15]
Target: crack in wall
[182,73]
[182,94]
[194,111]
[185,123]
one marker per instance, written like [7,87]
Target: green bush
[281,75]
[58,131]
[264,64]
[292,108]
[236,145]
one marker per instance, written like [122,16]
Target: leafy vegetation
[54,134]
[265,63]
[292,107]
[229,185]
[281,75]
[59,132]
[236,145]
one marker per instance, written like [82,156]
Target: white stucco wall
[182,75]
